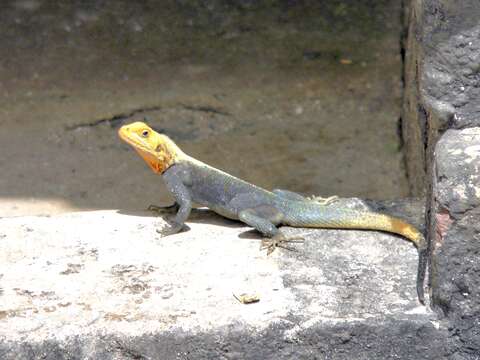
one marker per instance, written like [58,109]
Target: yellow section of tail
[398,226]
[407,230]
[376,221]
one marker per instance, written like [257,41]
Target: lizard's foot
[170,229]
[279,240]
[322,200]
[161,210]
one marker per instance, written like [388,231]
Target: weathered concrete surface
[302,95]
[455,216]
[105,285]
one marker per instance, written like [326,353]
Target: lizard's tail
[363,220]
[421,270]
[375,221]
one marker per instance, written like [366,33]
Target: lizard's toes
[270,244]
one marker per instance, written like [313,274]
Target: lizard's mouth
[126,136]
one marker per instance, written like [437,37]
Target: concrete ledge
[104,284]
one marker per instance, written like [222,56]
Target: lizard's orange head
[158,150]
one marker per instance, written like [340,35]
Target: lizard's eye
[145,133]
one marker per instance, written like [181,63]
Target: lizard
[191,181]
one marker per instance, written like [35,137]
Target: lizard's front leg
[183,201]
[176,224]
[264,220]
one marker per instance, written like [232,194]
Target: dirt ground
[303,95]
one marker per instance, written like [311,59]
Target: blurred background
[302,95]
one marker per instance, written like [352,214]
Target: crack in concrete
[117,120]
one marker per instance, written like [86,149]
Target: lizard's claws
[270,244]
[323,200]
[170,229]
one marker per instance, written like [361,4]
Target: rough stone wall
[441,126]
[455,235]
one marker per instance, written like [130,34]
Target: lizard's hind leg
[323,200]
[264,219]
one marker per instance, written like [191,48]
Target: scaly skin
[190,180]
